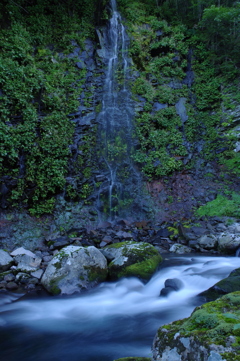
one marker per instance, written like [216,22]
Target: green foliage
[221,206]
[39,88]
[232,163]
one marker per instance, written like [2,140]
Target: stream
[114,320]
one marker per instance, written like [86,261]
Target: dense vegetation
[195,119]
[39,88]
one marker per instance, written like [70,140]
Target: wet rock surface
[73,269]
[209,334]
[227,285]
[216,235]
[132,259]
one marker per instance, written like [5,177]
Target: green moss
[96,274]
[230,356]
[143,270]
[143,260]
[53,288]
[212,323]
[58,265]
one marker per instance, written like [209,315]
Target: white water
[114,320]
[115,142]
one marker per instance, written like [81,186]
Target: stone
[180,249]
[174,283]
[227,285]
[61,242]
[208,242]
[171,285]
[9,277]
[124,235]
[11,286]
[22,277]
[103,244]
[6,261]
[47,258]
[21,251]
[80,65]
[74,269]
[209,334]
[163,233]
[228,243]
[27,263]
[107,239]
[132,259]
[37,274]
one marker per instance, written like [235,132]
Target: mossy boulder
[227,285]
[132,259]
[211,333]
[73,269]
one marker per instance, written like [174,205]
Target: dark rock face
[227,285]
[171,285]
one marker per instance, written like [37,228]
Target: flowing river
[114,320]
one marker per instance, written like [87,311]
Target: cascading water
[114,320]
[115,144]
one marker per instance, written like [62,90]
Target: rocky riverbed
[23,267]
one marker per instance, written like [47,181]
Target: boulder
[6,261]
[60,242]
[228,243]
[211,333]
[171,285]
[174,283]
[132,259]
[27,263]
[227,285]
[180,249]
[207,242]
[74,269]
[21,251]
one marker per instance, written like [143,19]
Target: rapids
[114,320]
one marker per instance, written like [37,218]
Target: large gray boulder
[228,243]
[207,242]
[132,259]
[74,269]
[211,333]
[6,261]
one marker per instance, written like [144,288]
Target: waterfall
[115,132]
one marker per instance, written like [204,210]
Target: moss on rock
[144,269]
[132,259]
[227,285]
[212,327]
